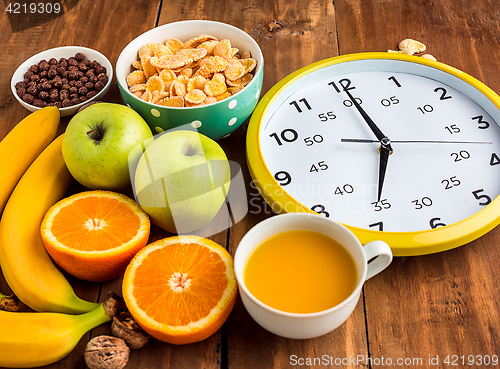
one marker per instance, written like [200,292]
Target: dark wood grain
[420,307]
[443,304]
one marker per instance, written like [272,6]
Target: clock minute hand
[384,140]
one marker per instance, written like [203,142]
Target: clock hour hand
[384,158]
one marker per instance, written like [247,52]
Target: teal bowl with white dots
[216,120]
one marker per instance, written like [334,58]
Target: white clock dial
[446,140]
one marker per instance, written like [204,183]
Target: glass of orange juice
[300,275]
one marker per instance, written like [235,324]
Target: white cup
[303,326]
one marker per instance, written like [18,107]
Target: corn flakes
[410,47]
[174,45]
[234,70]
[195,96]
[216,86]
[196,41]
[203,70]
[135,78]
[175,101]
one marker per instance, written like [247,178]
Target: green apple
[97,143]
[182,180]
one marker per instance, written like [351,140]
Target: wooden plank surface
[420,307]
[443,304]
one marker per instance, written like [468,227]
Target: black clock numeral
[284,178]
[380,225]
[451,182]
[452,129]
[319,166]
[424,201]
[324,117]
[287,135]
[443,93]
[482,123]
[459,156]
[381,205]
[347,188]
[426,109]
[304,102]
[345,83]
[494,160]
[320,209]
[393,79]
[434,223]
[486,199]
[393,100]
[315,139]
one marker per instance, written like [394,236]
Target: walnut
[106,352]
[126,328]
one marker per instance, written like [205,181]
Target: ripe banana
[22,145]
[26,265]
[31,339]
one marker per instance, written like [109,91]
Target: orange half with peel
[93,235]
[180,289]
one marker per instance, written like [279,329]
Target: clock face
[445,165]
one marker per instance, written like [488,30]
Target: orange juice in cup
[300,271]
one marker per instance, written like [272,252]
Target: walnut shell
[126,328]
[106,352]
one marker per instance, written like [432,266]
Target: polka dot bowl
[216,120]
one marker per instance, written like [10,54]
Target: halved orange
[93,235]
[180,289]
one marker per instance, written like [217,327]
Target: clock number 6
[434,223]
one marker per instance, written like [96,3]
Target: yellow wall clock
[396,147]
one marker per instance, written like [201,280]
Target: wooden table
[421,309]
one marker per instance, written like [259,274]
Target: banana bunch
[23,144]
[26,265]
[35,339]
[34,177]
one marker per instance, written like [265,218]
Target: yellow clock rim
[402,243]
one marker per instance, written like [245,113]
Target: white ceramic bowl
[62,52]
[215,120]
